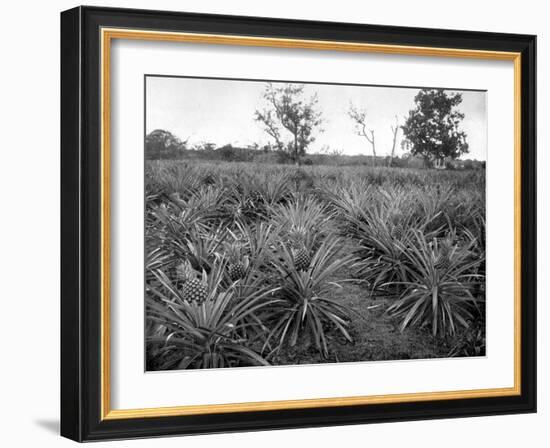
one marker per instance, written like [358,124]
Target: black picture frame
[81,224]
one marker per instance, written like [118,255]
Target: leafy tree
[432,128]
[160,143]
[289,110]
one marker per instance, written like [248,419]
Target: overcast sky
[222,111]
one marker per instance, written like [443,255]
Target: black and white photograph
[292,223]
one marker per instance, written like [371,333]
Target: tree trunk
[296,152]
[395,130]
[427,161]
[373,148]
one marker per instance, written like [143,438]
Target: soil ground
[375,336]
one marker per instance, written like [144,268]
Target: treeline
[163,145]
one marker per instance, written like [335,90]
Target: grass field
[256,264]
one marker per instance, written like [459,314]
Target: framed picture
[276,224]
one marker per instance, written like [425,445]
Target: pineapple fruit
[236,269]
[398,231]
[256,198]
[194,290]
[444,253]
[301,255]
[302,259]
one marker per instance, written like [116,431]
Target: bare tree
[288,107]
[395,130]
[359,116]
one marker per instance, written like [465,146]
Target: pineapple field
[251,264]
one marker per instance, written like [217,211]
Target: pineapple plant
[305,311]
[194,290]
[214,334]
[433,296]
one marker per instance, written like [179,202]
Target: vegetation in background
[163,144]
